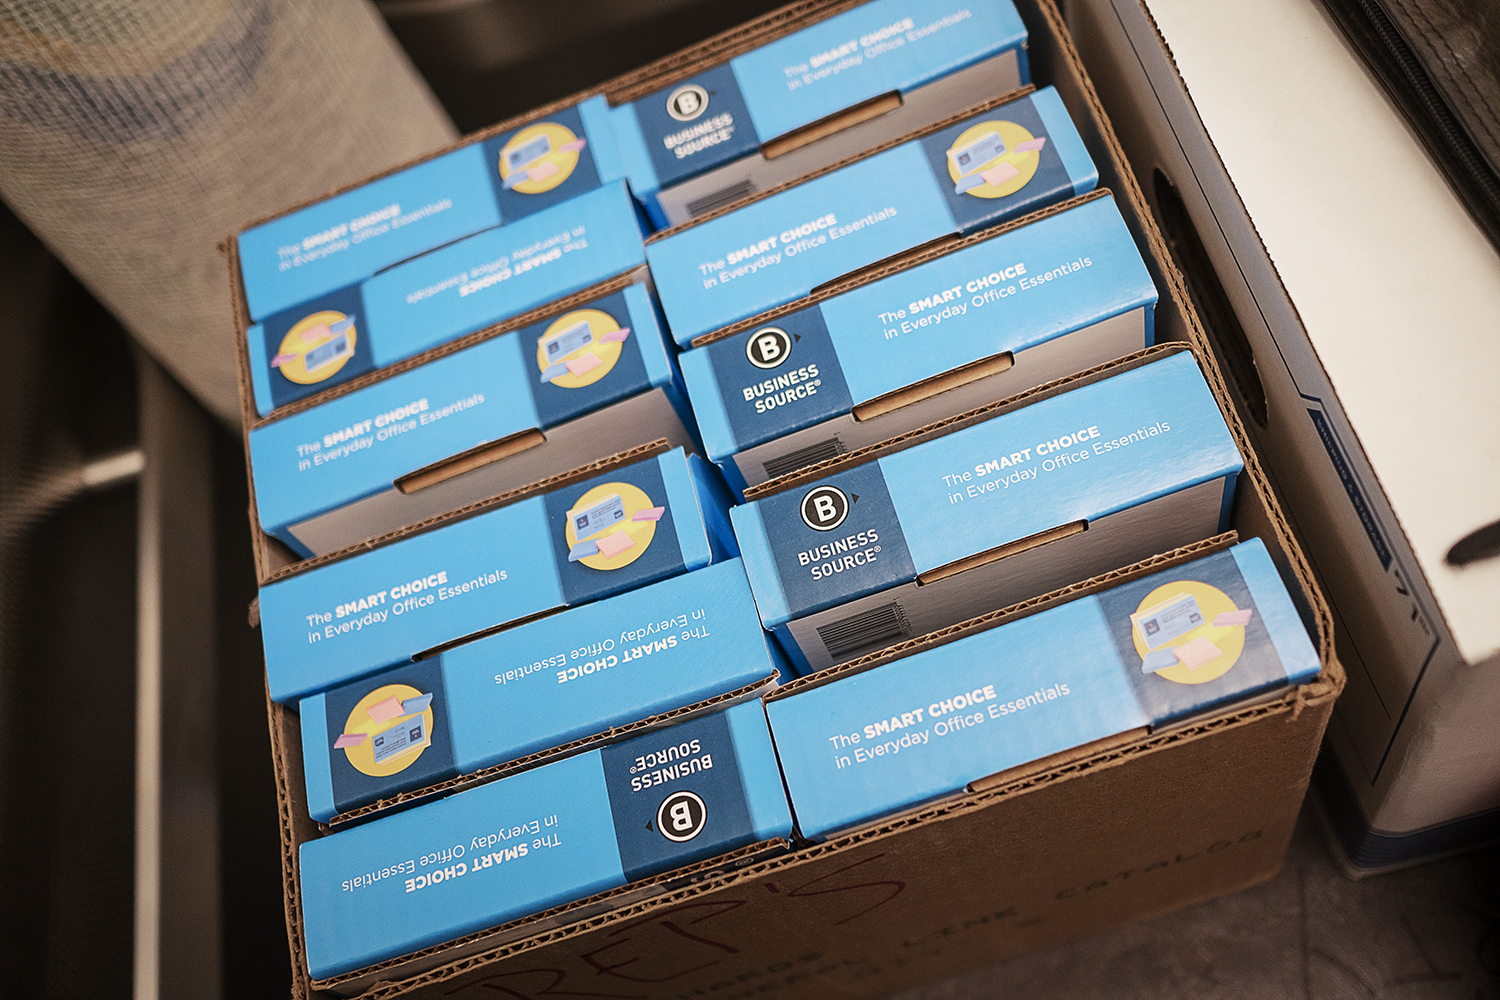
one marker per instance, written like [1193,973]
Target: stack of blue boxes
[566,501]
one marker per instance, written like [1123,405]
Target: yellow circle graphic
[360,721]
[612,506]
[575,342]
[316,347]
[1022,166]
[1230,639]
[539,158]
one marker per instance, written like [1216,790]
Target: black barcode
[724,196]
[868,629]
[811,455]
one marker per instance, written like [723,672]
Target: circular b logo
[768,347]
[824,508]
[687,103]
[681,817]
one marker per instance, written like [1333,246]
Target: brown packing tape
[900,262]
[968,418]
[1085,841]
[557,481]
[579,745]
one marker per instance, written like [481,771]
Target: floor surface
[1428,933]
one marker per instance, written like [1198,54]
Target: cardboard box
[569,829]
[929,337]
[1382,446]
[349,616]
[1015,499]
[992,162]
[919,722]
[491,417]
[475,707]
[813,97]
[1113,832]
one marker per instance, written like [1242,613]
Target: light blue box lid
[540,838]
[1119,442]
[925,726]
[360,444]
[727,111]
[377,608]
[1011,292]
[994,165]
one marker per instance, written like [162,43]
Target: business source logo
[768,347]
[681,817]
[824,508]
[687,102]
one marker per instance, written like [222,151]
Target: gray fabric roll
[135,135]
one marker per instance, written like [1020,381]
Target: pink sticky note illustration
[584,363]
[1198,652]
[541,171]
[282,359]
[348,740]
[649,514]
[573,147]
[316,334]
[615,336]
[1030,146]
[615,543]
[385,711]
[999,175]
[1226,618]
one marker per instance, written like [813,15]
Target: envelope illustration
[999,175]
[584,363]
[614,543]
[385,711]
[1198,653]
[1158,659]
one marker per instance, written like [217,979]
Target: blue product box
[737,127]
[925,726]
[1110,472]
[997,317]
[541,838]
[342,240]
[998,163]
[542,684]
[418,304]
[348,469]
[599,536]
